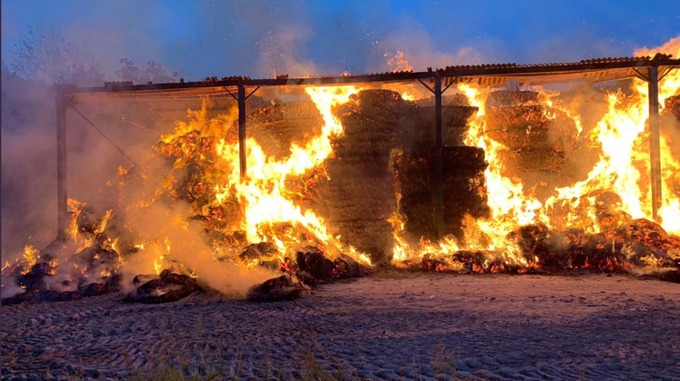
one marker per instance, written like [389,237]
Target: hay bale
[508,98]
[672,106]
[464,191]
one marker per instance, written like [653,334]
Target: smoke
[282,53]
[187,248]
[28,199]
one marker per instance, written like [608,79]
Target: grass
[311,366]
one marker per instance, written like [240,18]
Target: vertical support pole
[242,129]
[439,158]
[654,145]
[62,205]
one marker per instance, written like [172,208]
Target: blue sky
[201,38]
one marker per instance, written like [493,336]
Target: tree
[49,57]
[152,72]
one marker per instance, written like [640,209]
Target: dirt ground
[391,326]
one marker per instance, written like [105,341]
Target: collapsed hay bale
[170,287]
[639,242]
[275,290]
[262,253]
[314,268]
[40,284]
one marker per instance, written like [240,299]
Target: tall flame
[264,194]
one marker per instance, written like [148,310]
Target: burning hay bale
[537,144]
[359,196]
[278,289]
[637,243]
[315,268]
[670,127]
[169,287]
[672,105]
[454,126]
[277,126]
[464,190]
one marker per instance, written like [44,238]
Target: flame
[397,62]
[509,205]
[264,195]
[30,258]
[265,206]
[622,168]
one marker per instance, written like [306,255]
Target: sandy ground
[390,326]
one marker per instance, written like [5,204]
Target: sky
[261,38]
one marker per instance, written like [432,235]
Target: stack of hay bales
[536,143]
[463,188]
[385,162]
[670,128]
[277,126]
[360,195]
[464,191]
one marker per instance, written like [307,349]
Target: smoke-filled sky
[200,38]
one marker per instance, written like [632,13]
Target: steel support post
[439,158]
[241,98]
[62,204]
[654,145]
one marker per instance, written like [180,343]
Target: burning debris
[168,287]
[278,289]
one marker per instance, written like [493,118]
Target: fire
[267,205]
[30,257]
[617,134]
[622,169]
[264,195]
[397,62]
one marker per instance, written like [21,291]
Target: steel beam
[439,158]
[654,144]
[62,197]
[241,99]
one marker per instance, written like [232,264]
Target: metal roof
[597,69]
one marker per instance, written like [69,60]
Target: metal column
[439,158]
[62,205]
[654,145]
[241,99]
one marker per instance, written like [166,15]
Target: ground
[392,325]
